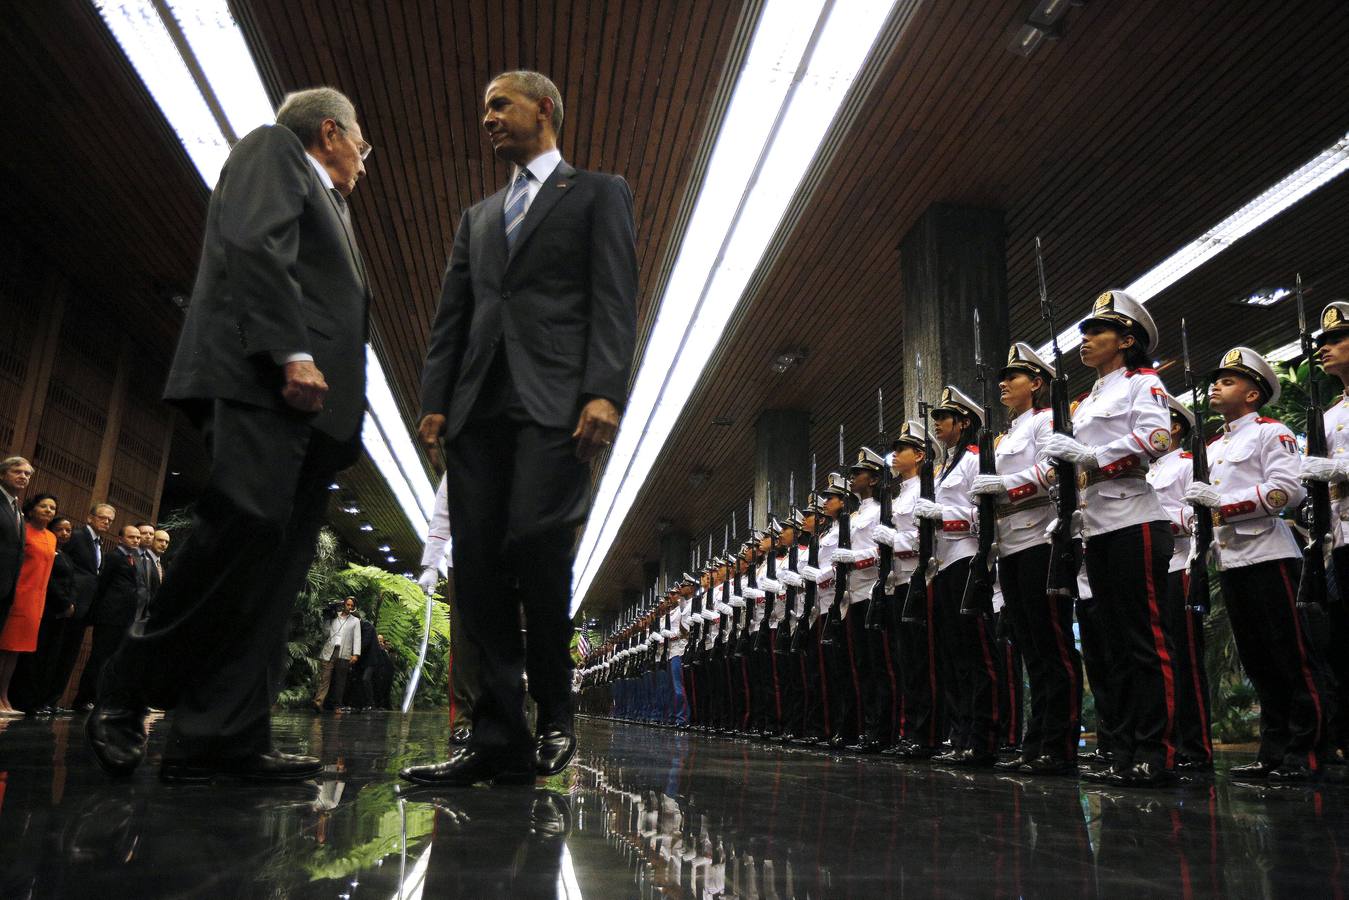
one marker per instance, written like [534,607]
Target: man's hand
[595,429]
[304,388]
[429,430]
[353,660]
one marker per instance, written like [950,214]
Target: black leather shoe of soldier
[1049,765]
[462,736]
[554,750]
[116,726]
[1145,775]
[916,751]
[1095,758]
[1015,764]
[1292,773]
[838,742]
[468,767]
[1194,767]
[950,757]
[1258,770]
[977,759]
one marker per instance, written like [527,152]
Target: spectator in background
[358,686]
[380,673]
[160,545]
[36,671]
[85,551]
[15,473]
[24,619]
[341,648]
[151,570]
[122,590]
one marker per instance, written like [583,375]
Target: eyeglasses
[363,147]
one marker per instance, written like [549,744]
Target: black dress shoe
[1194,767]
[274,765]
[976,759]
[467,767]
[1015,764]
[866,745]
[916,751]
[1255,770]
[554,750]
[1095,758]
[1048,765]
[950,757]
[1109,776]
[462,736]
[838,742]
[1292,773]
[1145,775]
[116,726]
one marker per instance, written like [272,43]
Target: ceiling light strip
[1328,165]
[785,100]
[381,403]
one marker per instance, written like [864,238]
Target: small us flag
[583,644]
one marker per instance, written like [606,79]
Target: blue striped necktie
[517,203]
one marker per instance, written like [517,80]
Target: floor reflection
[642,813]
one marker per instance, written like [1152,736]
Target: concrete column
[781,455]
[953,261]
[674,555]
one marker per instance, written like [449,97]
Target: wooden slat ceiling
[1141,128]
[643,86]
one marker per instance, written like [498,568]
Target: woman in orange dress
[25,616]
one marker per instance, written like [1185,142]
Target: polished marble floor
[642,813]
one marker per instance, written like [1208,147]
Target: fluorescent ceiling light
[219,50]
[1318,172]
[786,95]
[1265,298]
[138,29]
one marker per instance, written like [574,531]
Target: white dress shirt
[540,169]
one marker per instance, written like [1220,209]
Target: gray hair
[12,462]
[304,111]
[536,86]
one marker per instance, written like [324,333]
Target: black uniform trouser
[818,715]
[777,668]
[254,534]
[1192,697]
[1042,630]
[1096,663]
[921,698]
[1335,650]
[842,671]
[1127,571]
[970,668]
[792,675]
[1278,657]
[880,692]
[1012,696]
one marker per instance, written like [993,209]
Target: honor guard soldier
[1119,428]
[768,615]
[970,675]
[819,725]
[1041,625]
[677,637]
[1255,471]
[843,682]
[1332,343]
[869,647]
[1170,476]
[796,679]
[911,644]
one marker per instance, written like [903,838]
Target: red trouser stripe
[1074,709]
[824,680]
[991,670]
[931,670]
[1302,661]
[773,661]
[1159,642]
[1012,706]
[744,680]
[1195,663]
[856,684]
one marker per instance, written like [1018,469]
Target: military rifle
[1197,590]
[1065,556]
[877,609]
[978,597]
[1311,586]
[920,582]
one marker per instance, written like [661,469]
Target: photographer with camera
[341,649]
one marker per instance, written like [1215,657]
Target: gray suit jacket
[563,300]
[11,552]
[279,271]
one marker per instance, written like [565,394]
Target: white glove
[724,609]
[696,618]
[1060,446]
[986,485]
[791,579]
[657,639]
[845,556]
[810,573]
[428,580]
[753,594]
[924,508]
[1203,494]
[737,601]
[884,534]
[1318,468]
[770,585]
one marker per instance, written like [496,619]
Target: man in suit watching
[122,590]
[271,364]
[525,377]
[15,473]
[85,549]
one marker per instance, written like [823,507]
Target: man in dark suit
[122,589]
[85,549]
[271,363]
[524,380]
[15,473]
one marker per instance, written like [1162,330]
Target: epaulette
[1072,407]
[1132,372]
[1266,420]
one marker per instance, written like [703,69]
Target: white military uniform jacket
[956,540]
[863,576]
[1337,442]
[677,636]
[1170,477]
[1025,470]
[1254,463]
[824,595]
[906,530]
[1127,421]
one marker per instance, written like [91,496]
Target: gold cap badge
[1232,358]
[1104,303]
[1331,317]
